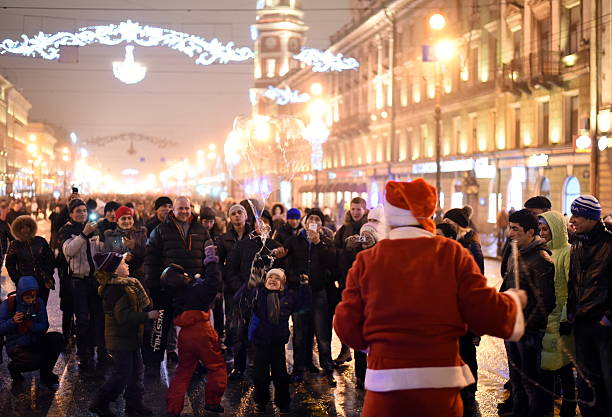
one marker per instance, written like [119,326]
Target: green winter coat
[124,317]
[555,346]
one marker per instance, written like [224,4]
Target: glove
[210,255]
[565,328]
[352,242]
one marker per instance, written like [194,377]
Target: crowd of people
[213,290]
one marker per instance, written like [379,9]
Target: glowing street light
[316,89]
[444,50]
[437,21]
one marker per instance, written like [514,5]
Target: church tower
[279,33]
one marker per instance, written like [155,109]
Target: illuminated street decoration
[284,96]
[325,61]
[47,46]
[129,71]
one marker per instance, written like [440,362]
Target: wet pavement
[314,397]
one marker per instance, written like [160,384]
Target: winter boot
[214,408]
[137,410]
[101,409]
[344,356]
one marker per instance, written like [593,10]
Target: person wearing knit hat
[109,222]
[124,301]
[269,333]
[442,299]
[107,262]
[128,240]
[77,202]
[163,205]
[589,303]
[538,205]
[458,216]
[291,228]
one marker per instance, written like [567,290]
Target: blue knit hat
[294,214]
[586,206]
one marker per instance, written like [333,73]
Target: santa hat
[411,203]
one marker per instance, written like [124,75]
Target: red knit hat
[124,211]
[410,203]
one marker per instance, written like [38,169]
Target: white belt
[383,380]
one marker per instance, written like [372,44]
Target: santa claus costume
[407,301]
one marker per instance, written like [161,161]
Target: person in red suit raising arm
[407,301]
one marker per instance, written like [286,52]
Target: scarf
[132,287]
[273,307]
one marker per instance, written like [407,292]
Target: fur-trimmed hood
[17,228]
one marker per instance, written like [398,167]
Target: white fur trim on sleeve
[519,322]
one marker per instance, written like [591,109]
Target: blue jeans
[126,374]
[89,316]
[317,319]
[594,357]
[526,355]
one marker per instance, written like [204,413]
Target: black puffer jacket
[167,244]
[590,276]
[537,278]
[316,261]
[241,259]
[471,242]
[285,231]
[346,256]
[28,253]
[5,238]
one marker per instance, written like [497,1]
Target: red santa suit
[408,300]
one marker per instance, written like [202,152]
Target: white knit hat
[279,272]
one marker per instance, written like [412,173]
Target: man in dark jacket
[109,223]
[180,240]
[291,228]
[250,255]
[589,305]
[15,211]
[238,230]
[163,205]
[346,252]
[536,273]
[311,253]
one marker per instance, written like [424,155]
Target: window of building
[270,68]
[473,133]
[571,120]
[571,191]
[545,187]
[493,207]
[456,135]
[516,42]
[517,126]
[543,31]
[544,123]
[573,16]
[474,64]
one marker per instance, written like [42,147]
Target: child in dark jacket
[269,332]
[124,301]
[198,341]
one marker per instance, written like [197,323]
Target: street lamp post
[443,50]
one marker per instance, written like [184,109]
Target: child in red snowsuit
[198,341]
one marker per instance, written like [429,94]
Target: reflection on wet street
[314,397]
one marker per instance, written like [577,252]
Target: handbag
[47,279]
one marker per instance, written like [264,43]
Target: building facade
[521,99]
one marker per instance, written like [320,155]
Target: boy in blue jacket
[269,332]
[24,323]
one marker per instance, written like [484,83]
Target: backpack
[12,307]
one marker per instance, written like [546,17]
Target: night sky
[179,100]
